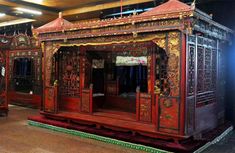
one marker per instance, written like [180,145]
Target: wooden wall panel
[169,115]
[69,104]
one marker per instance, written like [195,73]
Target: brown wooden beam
[103,7]
[33,5]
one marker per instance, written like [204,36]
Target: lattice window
[69,72]
[191,70]
[206,72]
[200,69]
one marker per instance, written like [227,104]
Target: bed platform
[156,74]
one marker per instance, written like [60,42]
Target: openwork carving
[206,71]
[200,69]
[167,64]
[69,72]
[161,82]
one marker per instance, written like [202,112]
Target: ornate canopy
[172,6]
[172,15]
[57,24]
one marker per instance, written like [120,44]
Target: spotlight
[2,14]
[29,11]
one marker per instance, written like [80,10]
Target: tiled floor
[17,137]
[226,145]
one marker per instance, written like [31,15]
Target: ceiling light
[2,14]
[34,1]
[29,11]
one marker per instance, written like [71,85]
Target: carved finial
[193,5]
[60,15]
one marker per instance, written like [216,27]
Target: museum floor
[17,137]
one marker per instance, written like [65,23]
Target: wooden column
[183,84]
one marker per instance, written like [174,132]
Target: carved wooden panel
[69,75]
[200,69]
[168,65]
[86,101]
[36,56]
[173,65]
[207,70]
[161,82]
[145,107]
[169,115]
[191,71]
[50,100]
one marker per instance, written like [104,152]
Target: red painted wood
[91,98]
[183,86]
[115,124]
[145,107]
[120,103]
[69,104]
[153,86]
[24,99]
[157,111]
[169,119]
[86,100]
[138,104]
[50,104]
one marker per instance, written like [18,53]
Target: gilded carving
[167,103]
[173,67]
[50,50]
